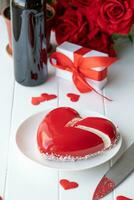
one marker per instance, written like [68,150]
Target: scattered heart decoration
[73,97]
[122,198]
[42,98]
[67,185]
[65,135]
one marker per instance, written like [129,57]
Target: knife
[116,174]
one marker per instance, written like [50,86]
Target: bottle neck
[30,4]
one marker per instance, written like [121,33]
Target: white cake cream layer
[73,121]
[105,138]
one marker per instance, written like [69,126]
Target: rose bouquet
[94,23]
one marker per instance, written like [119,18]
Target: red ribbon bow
[82,68]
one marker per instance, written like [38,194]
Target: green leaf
[132,31]
[130,38]
[115,36]
[49,1]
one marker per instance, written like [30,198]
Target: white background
[21,178]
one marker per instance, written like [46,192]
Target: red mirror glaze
[57,136]
[100,124]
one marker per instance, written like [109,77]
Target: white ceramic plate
[26,142]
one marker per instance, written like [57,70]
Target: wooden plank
[6,90]
[87,179]
[121,110]
[26,179]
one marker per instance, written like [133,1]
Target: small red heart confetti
[123,198]
[36,100]
[44,97]
[67,185]
[73,97]
[48,97]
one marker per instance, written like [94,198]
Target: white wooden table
[23,179]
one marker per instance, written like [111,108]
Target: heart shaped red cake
[65,135]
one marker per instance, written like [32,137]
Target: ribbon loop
[83,68]
[61,61]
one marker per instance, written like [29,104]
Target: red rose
[72,27]
[64,3]
[92,12]
[116,16]
[79,3]
[102,42]
[61,7]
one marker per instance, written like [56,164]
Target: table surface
[21,178]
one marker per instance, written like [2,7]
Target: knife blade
[116,174]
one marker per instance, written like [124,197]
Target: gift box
[86,67]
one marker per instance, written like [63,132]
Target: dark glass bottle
[29,41]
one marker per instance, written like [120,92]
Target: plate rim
[45,112]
